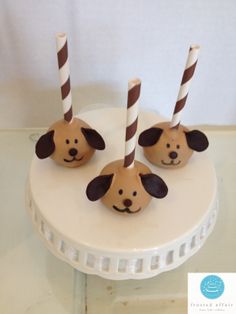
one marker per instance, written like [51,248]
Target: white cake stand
[96,240]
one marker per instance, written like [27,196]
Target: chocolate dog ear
[93,138]
[149,137]
[98,187]
[154,185]
[197,140]
[45,145]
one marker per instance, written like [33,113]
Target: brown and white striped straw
[64,71]
[185,83]
[131,122]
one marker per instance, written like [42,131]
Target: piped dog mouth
[171,163]
[73,159]
[126,210]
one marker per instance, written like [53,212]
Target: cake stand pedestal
[96,240]
[79,291]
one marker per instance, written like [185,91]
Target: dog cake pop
[127,185]
[70,142]
[170,145]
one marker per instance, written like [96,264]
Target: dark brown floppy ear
[93,138]
[154,185]
[98,187]
[45,145]
[197,140]
[149,137]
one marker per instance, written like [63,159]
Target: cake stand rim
[126,275]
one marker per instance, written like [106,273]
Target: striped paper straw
[131,122]
[185,83]
[64,71]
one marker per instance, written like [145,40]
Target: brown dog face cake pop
[70,142]
[127,186]
[170,145]
[126,190]
[171,148]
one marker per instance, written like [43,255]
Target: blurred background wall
[109,42]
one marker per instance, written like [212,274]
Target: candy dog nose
[127,202]
[73,152]
[173,155]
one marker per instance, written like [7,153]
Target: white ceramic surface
[96,240]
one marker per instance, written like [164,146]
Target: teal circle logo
[212,287]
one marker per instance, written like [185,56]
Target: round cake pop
[170,145]
[70,142]
[127,186]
